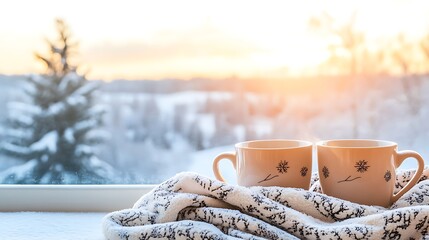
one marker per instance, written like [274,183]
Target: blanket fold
[191,206]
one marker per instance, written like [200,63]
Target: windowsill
[70,198]
[51,226]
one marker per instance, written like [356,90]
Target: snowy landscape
[191,100]
[152,134]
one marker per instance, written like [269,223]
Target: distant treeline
[290,86]
[295,85]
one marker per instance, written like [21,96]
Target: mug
[363,171]
[283,163]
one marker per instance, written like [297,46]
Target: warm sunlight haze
[199,39]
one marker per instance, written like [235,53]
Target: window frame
[70,198]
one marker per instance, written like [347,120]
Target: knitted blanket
[191,206]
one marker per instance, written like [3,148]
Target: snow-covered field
[202,163]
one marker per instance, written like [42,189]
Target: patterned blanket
[191,206]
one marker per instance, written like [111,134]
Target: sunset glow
[191,39]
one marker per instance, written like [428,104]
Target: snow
[102,167]
[46,178]
[97,134]
[44,158]
[39,79]
[69,79]
[66,176]
[69,135]
[202,162]
[18,172]
[75,100]
[15,148]
[31,89]
[167,102]
[21,118]
[97,109]
[24,107]
[58,168]
[83,149]
[51,226]
[192,98]
[85,89]
[17,133]
[206,123]
[47,142]
[86,124]
[240,132]
[56,108]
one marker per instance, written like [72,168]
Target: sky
[188,39]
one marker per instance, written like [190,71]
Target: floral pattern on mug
[362,166]
[325,172]
[387,176]
[282,167]
[304,171]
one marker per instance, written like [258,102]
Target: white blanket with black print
[191,206]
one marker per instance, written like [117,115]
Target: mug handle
[402,155]
[230,156]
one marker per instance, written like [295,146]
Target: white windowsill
[70,198]
[51,225]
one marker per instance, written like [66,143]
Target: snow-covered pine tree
[54,131]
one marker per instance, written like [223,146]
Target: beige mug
[283,163]
[363,171]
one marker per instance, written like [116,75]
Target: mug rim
[385,143]
[302,144]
